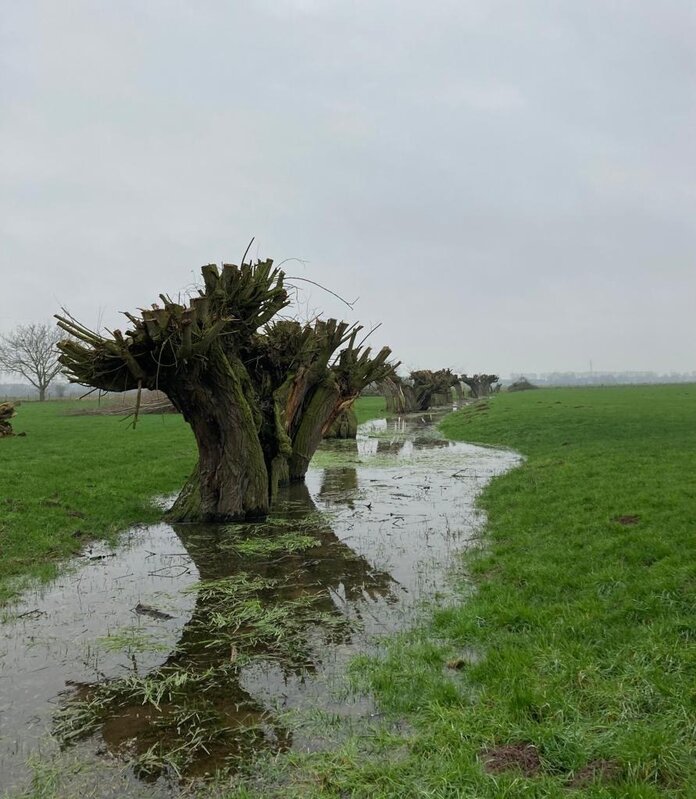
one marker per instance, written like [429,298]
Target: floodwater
[189,648]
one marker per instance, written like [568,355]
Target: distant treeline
[55,391]
[601,378]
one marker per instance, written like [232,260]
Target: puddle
[190,647]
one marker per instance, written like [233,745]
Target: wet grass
[131,640]
[584,615]
[285,542]
[277,536]
[73,479]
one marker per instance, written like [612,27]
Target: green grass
[367,408]
[585,626]
[73,478]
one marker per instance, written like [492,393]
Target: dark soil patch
[521,756]
[627,519]
[595,770]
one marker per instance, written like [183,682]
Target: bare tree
[30,351]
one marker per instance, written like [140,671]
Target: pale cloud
[506,186]
[491,97]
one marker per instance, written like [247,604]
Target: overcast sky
[506,186]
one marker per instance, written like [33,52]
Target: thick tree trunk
[231,482]
[320,413]
[400,397]
[440,400]
[423,400]
[42,393]
[344,426]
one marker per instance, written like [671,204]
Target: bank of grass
[576,655]
[76,478]
[367,408]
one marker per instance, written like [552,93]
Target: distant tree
[433,387]
[31,351]
[399,395]
[423,389]
[481,385]
[521,384]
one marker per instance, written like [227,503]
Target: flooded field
[189,648]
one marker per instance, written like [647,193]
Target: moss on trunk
[318,416]
[231,480]
[345,425]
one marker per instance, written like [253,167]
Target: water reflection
[254,623]
[275,594]
[339,486]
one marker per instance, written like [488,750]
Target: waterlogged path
[189,648]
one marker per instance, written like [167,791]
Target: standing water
[189,648]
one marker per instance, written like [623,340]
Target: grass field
[567,666]
[571,669]
[76,478]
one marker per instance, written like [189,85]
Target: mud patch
[627,519]
[595,771]
[522,757]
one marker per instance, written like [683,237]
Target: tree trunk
[344,426]
[317,417]
[42,393]
[231,480]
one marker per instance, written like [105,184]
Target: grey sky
[507,186]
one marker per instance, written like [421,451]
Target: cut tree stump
[7,411]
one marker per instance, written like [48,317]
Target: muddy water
[189,648]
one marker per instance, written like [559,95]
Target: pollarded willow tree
[481,385]
[420,391]
[258,392]
[433,387]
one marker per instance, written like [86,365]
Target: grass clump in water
[269,546]
[258,617]
[132,641]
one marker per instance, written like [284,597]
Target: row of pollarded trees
[425,389]
[259,392]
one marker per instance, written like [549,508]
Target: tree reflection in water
[268,594]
